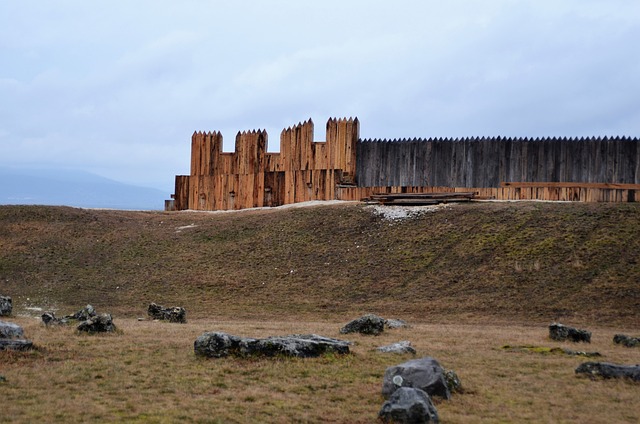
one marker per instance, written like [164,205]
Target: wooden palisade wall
[346,168]
[252,177]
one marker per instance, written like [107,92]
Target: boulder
[395,323]
[98,324]
[83,314]
[408,405]
[12,337]
[9,330]
[6,306]
[627,341]
[561,332]
[49,318]
[172,314]
[218,345]
[15,344]
[400,347]
[608,370]
[367,324]
[424,373]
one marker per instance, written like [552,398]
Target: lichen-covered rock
[218,345]
[608,370]
[9,330]
[15,344]
[83,314]
[409,405]
[49,318]
[173,314]
[98,324]
[627,341]
[395,323]
[453,381]
[425,373]
[6,306]
[400,347]
[561,332]
[367,324]
[12,337]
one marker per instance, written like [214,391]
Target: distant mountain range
[74,188]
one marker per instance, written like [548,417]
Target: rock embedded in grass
[6,306]
[409,405]
[173,314]
[83,314]
[403,346]
[368,324]
[561,332]
[9,330]
[627,341]
[219,345]
[98,324]
[550,350]
[12,337]
[49,318]
[395,323]
[608,370]
[425,373]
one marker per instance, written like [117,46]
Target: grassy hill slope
[523,262]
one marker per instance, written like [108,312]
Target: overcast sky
[117,87]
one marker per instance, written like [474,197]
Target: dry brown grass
[149,373]
[528,262]
[471,277]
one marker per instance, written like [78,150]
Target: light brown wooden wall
[251,177]
[306,170]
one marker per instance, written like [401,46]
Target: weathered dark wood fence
[481,163]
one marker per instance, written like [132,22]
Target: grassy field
[149,373]
[470,278]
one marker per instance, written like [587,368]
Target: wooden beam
[615,186]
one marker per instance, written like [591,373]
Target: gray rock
[577,353]
[49,318]
[15,344]
[453,381]
[409,405]
[98,324]
[627,341]
[367,324]
[172,314]
[218,345]
[395,323]
[6,306]
[12,337]
[400,347]
[9,330]
[561,332]
[608,370]
[83,314]
[424,373]
[550,350]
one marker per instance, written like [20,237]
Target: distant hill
[74,188]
